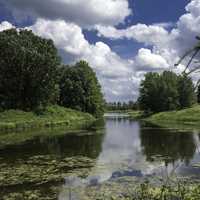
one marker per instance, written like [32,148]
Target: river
[120,147]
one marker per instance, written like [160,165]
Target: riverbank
[53,116]
[181,119]
[186,118]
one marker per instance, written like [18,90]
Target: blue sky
[145,12]
[154,11]
[121,39]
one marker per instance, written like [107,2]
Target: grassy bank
[186,118]
[53,116]
[136,114]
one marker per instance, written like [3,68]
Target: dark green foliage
[198,94]
[118,106]
[186,91]
[149,90]
[28,67]
[158,92]
[166,91]
[153,144]
[79,89]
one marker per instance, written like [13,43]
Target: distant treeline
[32,76]
[131,105]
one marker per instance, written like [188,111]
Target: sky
[121,39]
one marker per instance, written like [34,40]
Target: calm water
[121,148]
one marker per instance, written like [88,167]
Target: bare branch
[192,57]
[197,84]
[184,56]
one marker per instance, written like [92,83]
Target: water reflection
[74,144]
[166,145]
[123,148]
[131,148]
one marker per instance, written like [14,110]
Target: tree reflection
[166,145]
[87,144]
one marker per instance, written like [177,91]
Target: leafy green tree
[168,94]
[198,94]
[80,89]
[186,91]
[28,70]
[166,91]
[149,90]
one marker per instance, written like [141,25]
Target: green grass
[53,116]
[136,114]
[186,118]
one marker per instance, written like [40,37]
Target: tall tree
[186,90]
[198,94]
[166,91]
[80,89]
[28,66]
[149,90]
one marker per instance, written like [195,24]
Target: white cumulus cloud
[168,45]
[111,69]
[81,12]
[152,34]
[5,26]
[63,22]
[148,61]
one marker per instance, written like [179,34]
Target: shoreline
[188,118]
[53,116]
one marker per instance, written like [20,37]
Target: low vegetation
[17,120]
[136,114]
[47,173]
[40,173]
[130,189]
[189,117]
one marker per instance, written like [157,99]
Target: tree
[80,89]
[198,94]
[168,95]
[186,91]
[28,70]
[166,91]
[149,93]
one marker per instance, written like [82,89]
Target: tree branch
[190,61]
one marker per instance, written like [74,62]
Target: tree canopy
[28,70]
[80,89]
[166,91]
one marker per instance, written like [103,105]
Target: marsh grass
[179,190]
